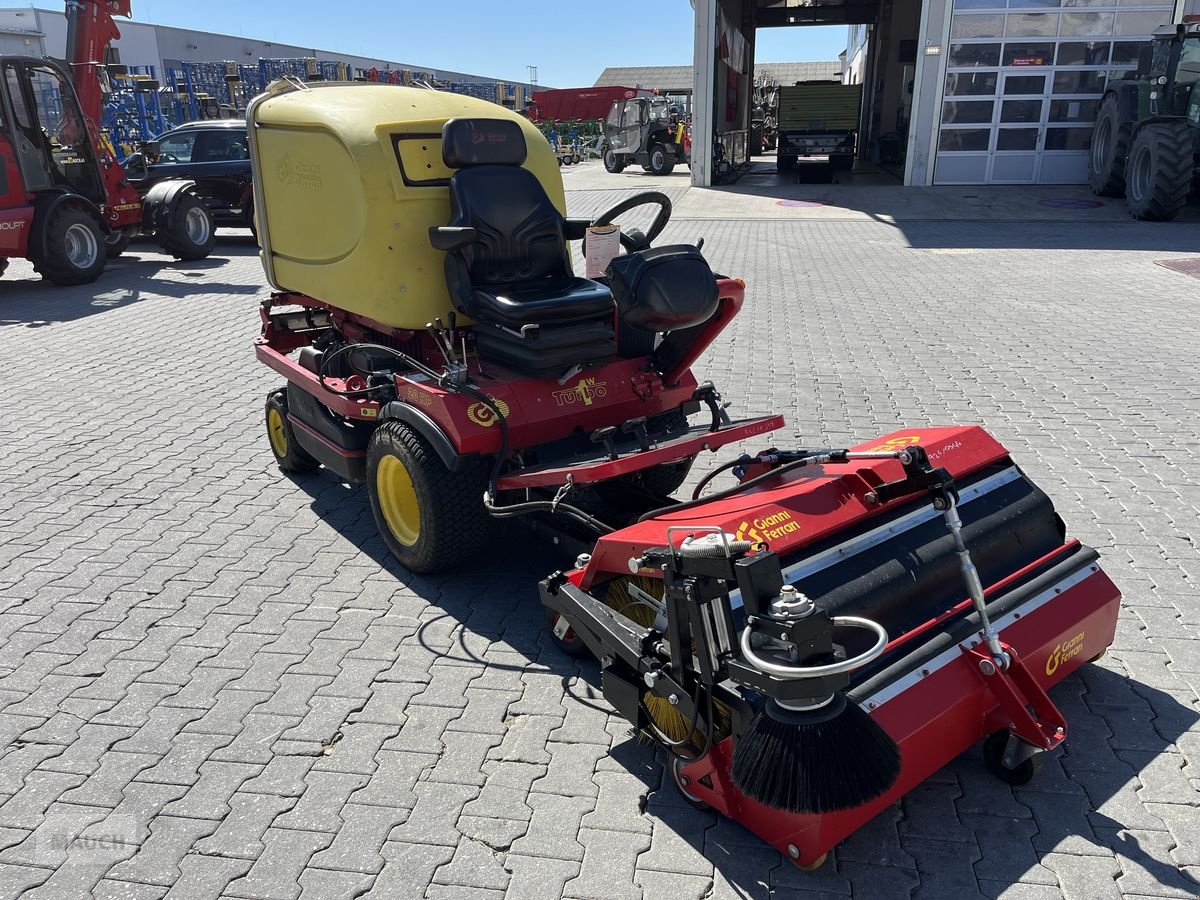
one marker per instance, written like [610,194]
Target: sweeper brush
[816,639]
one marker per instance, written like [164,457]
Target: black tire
[3,264]
[282,439]
[250,223]
[612,162]
[993,756]
[663,480]
[1159,173]
[72,249]
[117,242]
[1110,148]
[675,764]
[785,163]
[569,643]
[435,521]
[191,233]
[661,161]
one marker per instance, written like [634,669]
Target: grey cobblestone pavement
[215,683]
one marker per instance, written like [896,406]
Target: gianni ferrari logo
[896,443]
[768,528]
[585,392]
[1064,651]
[483,415]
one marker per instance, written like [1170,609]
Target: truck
[818,118]
[66,203]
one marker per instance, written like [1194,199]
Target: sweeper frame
[800,721]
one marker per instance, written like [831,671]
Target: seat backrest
[520,233]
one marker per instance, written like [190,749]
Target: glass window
[967,112]
[1080,53]
[1073,110]
[1068,138]
[1142,22]
[1131,53]
[971,83]
[1021,111]
[1025,53]
[220,146]
[1078,3]
[177,147]
[1035,4]
[979,4]
[981,55]
[1025,84]
[614,114]
[1016,139]
[964,139]
[1078,82]
[1087,23]
[977,26]
[1032,25]
[632,116]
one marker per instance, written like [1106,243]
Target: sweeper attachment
[814,641]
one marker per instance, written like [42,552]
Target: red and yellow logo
[1064,651]
[483,415]
[768,527]
[896,443]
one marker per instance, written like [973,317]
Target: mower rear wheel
[811,866]
[993,758]
[289,454]
[430,518]
[675,766]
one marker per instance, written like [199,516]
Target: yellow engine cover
[348,179]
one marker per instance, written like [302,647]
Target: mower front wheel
[430,518]
[682,782]
[289,454]
[564,636]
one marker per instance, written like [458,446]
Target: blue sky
[571,42]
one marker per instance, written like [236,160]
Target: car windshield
[660,111]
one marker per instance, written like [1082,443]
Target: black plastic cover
[482,142]
[664,288]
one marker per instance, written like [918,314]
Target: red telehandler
[65,202]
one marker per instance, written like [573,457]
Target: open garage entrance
[953,92]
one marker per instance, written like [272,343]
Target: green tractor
[1147,133]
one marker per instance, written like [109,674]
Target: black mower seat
[507,263]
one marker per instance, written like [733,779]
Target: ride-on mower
[809,642]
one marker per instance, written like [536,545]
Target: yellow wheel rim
[398,500]
[277,433]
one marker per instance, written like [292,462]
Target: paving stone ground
[214,682]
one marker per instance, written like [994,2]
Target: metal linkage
[1000,658]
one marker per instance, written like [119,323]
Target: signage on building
[1029,61]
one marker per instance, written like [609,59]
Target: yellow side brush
[666,716]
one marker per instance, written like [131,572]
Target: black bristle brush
[820,760]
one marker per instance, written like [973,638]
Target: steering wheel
[634,239]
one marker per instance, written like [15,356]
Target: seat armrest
[452,237]
[576,229]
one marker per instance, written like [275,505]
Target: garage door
[1024,79]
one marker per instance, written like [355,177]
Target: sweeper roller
[818,638]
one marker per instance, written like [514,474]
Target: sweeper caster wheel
[682,783]
[564,636]
[808,866]
[289,454]
[993,758]
[430,518]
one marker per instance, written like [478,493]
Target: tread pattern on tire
[174,239]
[1170,148]
[1111,182]
[455,526]
[297,459]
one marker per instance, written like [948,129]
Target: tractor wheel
[430,518]
[1159,174]
[3,264]
[1110,147]
[191,234]
[73,248]
[612,162]
[661,162]
[117,242]
[289,454]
